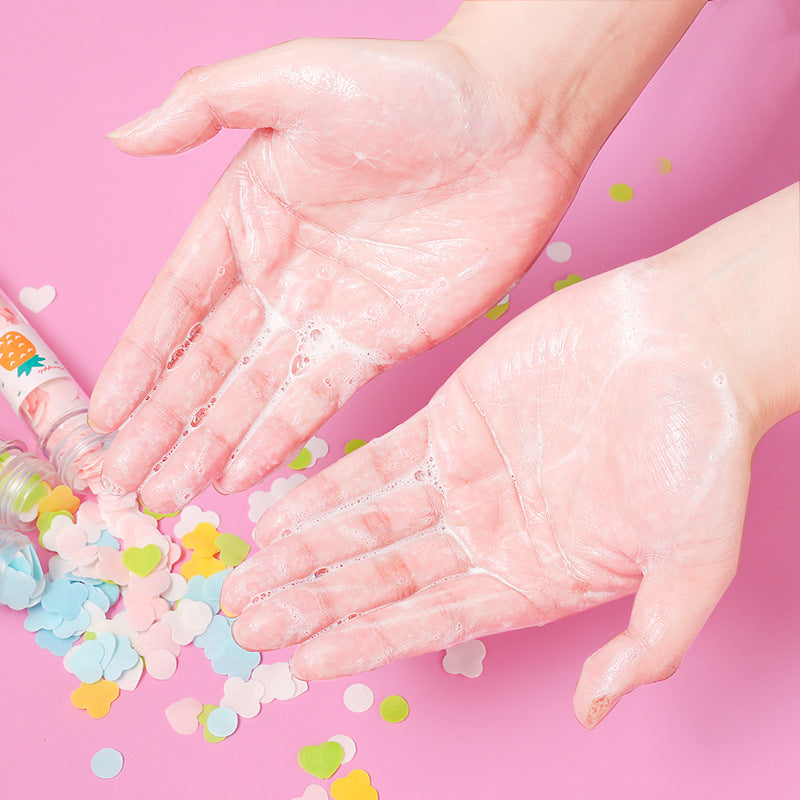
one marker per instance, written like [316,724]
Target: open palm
[388,196]
[591,449]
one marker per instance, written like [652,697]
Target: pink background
[97,225]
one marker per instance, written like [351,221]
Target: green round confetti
[394,708]
[663,165]
[495,312]
[302,461]
[210,738]
[353,444]
[202,718]
[621,192]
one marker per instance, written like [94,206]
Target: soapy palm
[385,200]
[590,449]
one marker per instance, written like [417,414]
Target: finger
[356,531]
[294,613]
[191,376]
[673,602]
[259,90]
[367,470]
[437,617]
[202,454]
[307,401]
[193,281]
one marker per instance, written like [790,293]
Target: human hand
[387,198]
[600,444]
[392,191]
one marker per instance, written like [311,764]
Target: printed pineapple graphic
[17,352]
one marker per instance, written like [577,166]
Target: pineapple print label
[25,362]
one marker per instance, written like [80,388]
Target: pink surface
[97,225]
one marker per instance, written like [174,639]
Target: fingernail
[133,127]
[599,710]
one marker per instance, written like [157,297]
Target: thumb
[253,91]
[673,602]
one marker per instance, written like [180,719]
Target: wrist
[741,277]
[569,71]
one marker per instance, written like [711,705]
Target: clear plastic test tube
[24,481]
[42,392]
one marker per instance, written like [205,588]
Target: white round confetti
[558,251]
[314,792]
[348,745]
[358,698]
[161,664]
[222,722]
[107,763]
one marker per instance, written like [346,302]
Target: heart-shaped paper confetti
[232,549]
[321,760]
[183,715]
[313,792]
[141,560]
[129,679]
[355,786]
[37,300]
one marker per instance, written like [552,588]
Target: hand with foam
[390,193]
[599,445]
